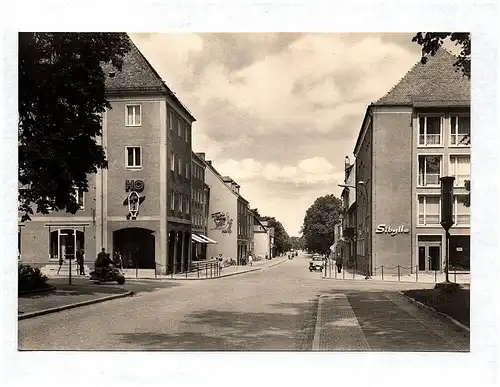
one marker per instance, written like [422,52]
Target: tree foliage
[431,42]
[297,242]
[319,223]
[61,99]
[282,241]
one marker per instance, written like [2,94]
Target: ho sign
[134,185]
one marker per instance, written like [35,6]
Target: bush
[30,278]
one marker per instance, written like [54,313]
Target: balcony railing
[462,219]
[460,140]
[428,179]
[429,139]
[428,220]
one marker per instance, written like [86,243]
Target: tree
[61,99]
[319,223]
[297,242]
[282,242]
[431,42]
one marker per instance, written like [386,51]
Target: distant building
[348,240]
[408,140]
[262,239]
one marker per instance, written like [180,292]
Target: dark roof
[437,83]
[137,75]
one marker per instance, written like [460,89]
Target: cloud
[279,112]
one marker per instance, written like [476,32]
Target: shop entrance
[429,252]
[65,242]
[136,246]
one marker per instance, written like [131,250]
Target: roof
[436,83]
[137,75]
[197,159]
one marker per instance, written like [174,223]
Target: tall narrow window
[171,120]
[187,170]
[460,131]
[180,199]
[460,168]
[430,131]
[172,161]
[429,170]
[133,115]
[179,167]
[186,132]
[172,200]
[179,127]
[133,157]
[79,196]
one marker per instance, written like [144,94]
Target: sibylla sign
[383,229]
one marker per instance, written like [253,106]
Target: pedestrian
[117,259]
[80,260]
[220,264]
[339,264]
[250,259]
[61,262]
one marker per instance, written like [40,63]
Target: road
[285,307]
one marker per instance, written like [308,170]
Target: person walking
[61,262]
[250,259]
[80,260]
[339,264]
[220,264]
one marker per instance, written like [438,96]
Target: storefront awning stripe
[195,238]
[207,239]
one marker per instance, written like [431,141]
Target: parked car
[317,263]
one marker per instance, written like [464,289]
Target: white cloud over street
[279,112]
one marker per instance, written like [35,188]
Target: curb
[384,281]
[278,263]
[25,316]
[192,279]
[431,309]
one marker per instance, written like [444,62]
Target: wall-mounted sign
[460,249]
[134,185]
[383,229]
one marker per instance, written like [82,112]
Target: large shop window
[460,131]
[133,115]
[65,242]
[134,157]
[430,131]
[460,168]
[461,212]
[428,210]
[429,170]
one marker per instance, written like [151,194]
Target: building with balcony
[140,204]
[411,137]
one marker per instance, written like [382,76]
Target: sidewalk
[420,277]
[66,296]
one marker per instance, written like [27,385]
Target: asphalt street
[285,307]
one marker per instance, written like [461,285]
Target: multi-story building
[244,232]
[411,137]
[140,204]
[262,240]
[347,244]
[200,196]
[222,211]
[270,233]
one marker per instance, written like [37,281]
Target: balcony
[429,140]
[428,179]
[460,140]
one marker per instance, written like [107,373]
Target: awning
[206,239]
[196,238]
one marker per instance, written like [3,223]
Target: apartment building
[410,138]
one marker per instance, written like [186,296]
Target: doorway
[429,252]
[65,242]
[136,246]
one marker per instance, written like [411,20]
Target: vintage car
[317,263]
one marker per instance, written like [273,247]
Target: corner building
[140,204]
[410,138]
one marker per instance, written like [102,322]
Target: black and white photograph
[248,192]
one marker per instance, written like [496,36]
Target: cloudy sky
[279,112]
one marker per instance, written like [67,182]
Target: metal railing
[385,273]
[429,139]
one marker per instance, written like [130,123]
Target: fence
[390,273]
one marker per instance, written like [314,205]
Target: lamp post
[447,215]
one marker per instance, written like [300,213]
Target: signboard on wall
[383,229]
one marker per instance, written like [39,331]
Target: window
[460,168]
[460,212]
[19,243]
[171,120]
[179,201]
[460,131]
[133,157]
[428,210]
[429,170]
[79,196]
[132,115]
[429,131]
[186,132]
[179,127]
[187,205]
[172,200]
[187,170]
[179,161]
[64,243]
[172,162]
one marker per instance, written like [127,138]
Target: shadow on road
[289,327]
